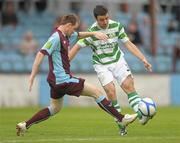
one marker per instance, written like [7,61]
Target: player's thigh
[91,90]
[121,71]
[105,76]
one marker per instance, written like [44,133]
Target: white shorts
[106,73]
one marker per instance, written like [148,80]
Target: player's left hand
[31,80]
[101,36]
[147,65]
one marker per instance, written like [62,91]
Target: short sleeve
[84,42]
[122,34]
[52,44]
[73,39]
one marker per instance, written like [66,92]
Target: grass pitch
[89,125]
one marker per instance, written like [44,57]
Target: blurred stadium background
[153,25]
[25,25]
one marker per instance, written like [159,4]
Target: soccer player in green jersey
[109,62]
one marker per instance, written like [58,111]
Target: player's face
[72,28]
[103,20]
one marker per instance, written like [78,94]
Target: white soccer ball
[147,107]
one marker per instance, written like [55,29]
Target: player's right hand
[147,65]
[30,83]
[101,36]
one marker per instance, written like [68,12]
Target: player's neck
[62,29]
[103,28]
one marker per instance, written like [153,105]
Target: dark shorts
[71,88]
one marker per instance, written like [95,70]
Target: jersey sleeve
[73,39]
[52,44]
[84,42]
[122,34]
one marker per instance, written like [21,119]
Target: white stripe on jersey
[107,48]
[109,59]
[101,42]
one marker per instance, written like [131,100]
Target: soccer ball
[147,107]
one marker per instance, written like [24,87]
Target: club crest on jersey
[111,35]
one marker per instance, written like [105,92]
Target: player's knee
[128,85]
[125,85]
[54,109]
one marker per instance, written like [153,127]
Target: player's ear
[69,24]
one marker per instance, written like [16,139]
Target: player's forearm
[85,34]
[73,51]
[134,50]
[36,65]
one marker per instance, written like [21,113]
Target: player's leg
[111,93]
[106,79]
[124,77]
[106,105]
[133,97]
[55,107]
[128,87]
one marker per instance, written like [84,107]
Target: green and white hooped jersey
[106,52]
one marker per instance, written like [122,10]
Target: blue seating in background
[86,17]
[163,64]
[123,18]
[6,66]
[18,66]
[178,66]
[41,26]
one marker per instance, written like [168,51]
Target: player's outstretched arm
[37,62]
[77,47]
[74,50]
[135,51]
[98,35]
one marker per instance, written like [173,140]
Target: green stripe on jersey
[95,28]
[89,44]
[123,35]
[106,52]
[97,60]
[113,25]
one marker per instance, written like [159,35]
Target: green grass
[89,125]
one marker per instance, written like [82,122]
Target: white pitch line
[90,139]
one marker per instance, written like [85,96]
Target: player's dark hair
[100,10]
[70,18]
